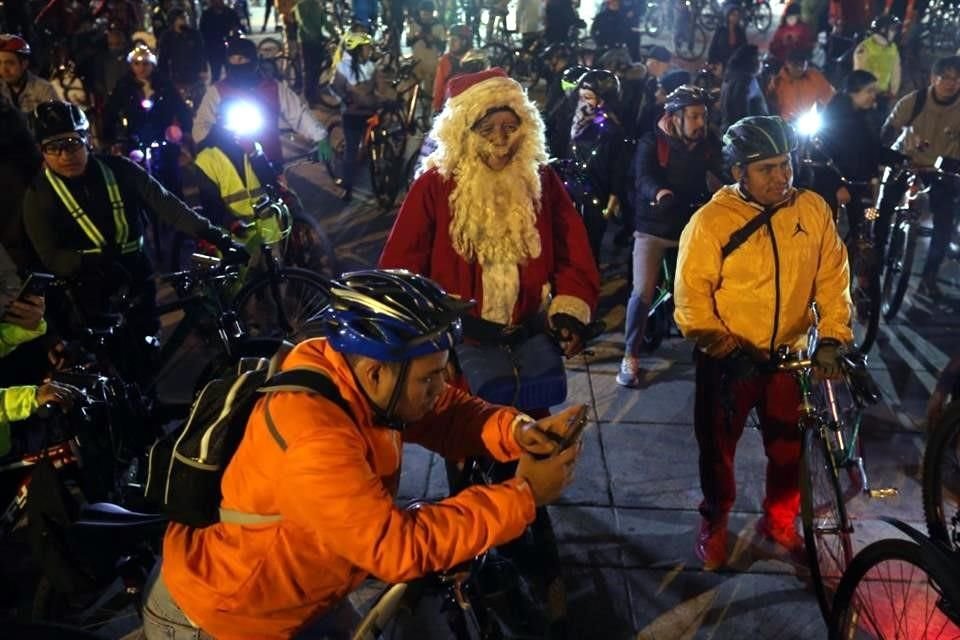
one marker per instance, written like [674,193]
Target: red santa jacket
[420,241]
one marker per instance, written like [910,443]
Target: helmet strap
[386,416]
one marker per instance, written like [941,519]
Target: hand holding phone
[25,311]
[553,434]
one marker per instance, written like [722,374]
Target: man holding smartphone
[83,213]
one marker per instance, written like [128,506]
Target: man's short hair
[857,80]
[798,56]
[354,359]
[659,53]
[948,63]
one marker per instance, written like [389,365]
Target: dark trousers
[315,56]
[596,225]
[719,415]
[354,126]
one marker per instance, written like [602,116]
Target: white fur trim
[572,306]
[501,288]
[489,94]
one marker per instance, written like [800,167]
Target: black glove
[738,365]
[570,332]
[232,252]
[826,358]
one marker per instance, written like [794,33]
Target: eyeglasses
[67,145]
[949,78]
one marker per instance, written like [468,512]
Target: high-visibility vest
[238,194]
[122,234]
[880,60]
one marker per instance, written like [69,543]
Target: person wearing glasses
[83,214]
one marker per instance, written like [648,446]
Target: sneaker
[784,535]
[711,545]
[629,374]
[929,287]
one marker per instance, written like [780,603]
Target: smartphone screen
[35,285]
[575,427]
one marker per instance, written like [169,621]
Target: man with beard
[595,167]
[671,166]
[489,220]
[275,100]
[751,262]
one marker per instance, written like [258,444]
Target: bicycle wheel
[762,17]
[865,294]
[941,479]
[386,153]
[690,42]
[281,305]
[308,247]
[891,592]
[826,529]
[899,266]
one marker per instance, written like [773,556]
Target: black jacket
[740,96]
[850,139]
[19,162]
[598,158]
[720,47]
[613,28]
[684,172]
[559,17]
[145,123]
[181,55]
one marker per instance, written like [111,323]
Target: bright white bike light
[809,123]
[243,119]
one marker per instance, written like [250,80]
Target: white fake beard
[494,213]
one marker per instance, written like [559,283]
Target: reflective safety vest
[122,235]
[238,194]
[880,60]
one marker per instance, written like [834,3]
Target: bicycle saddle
[105,514]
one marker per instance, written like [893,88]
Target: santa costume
[510,239]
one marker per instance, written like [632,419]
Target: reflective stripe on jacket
[334,486]
[16,403]
[96,237]
[722,304]
[239,195]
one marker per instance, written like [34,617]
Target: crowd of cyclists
[124,125]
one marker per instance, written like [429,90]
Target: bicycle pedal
[886,492]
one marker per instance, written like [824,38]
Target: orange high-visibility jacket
[334,487]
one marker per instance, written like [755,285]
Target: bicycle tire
[819,506]
[308,247]
[762,17]
[658,327]
[690,43]
[899,267]
[386,154]
[257,308]
[653,19]
[865,294]
[941,475]
[856,590]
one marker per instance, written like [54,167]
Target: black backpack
[185,467]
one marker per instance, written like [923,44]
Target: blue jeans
[648,253]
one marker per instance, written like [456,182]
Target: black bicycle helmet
[557,50]
[882,24]
[54,119]
[570,77]
[757,138]
[391,315]
[686,96]
[603,83]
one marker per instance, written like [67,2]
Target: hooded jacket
[758,298]
[334,486]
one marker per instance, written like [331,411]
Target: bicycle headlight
[243,119]
[809,123]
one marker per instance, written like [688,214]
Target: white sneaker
[629,375]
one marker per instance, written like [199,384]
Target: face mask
[586,109]
[242,74]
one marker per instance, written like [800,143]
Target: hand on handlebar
[826,359]
[57,393]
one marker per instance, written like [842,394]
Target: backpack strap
[297,380]
[743,234]
[920,99]
[306,381]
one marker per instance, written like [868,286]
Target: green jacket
[16,403]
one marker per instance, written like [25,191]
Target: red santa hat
[476,94]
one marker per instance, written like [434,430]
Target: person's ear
[737,172]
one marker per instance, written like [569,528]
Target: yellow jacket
[758,297]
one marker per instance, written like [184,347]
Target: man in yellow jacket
[739,300]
